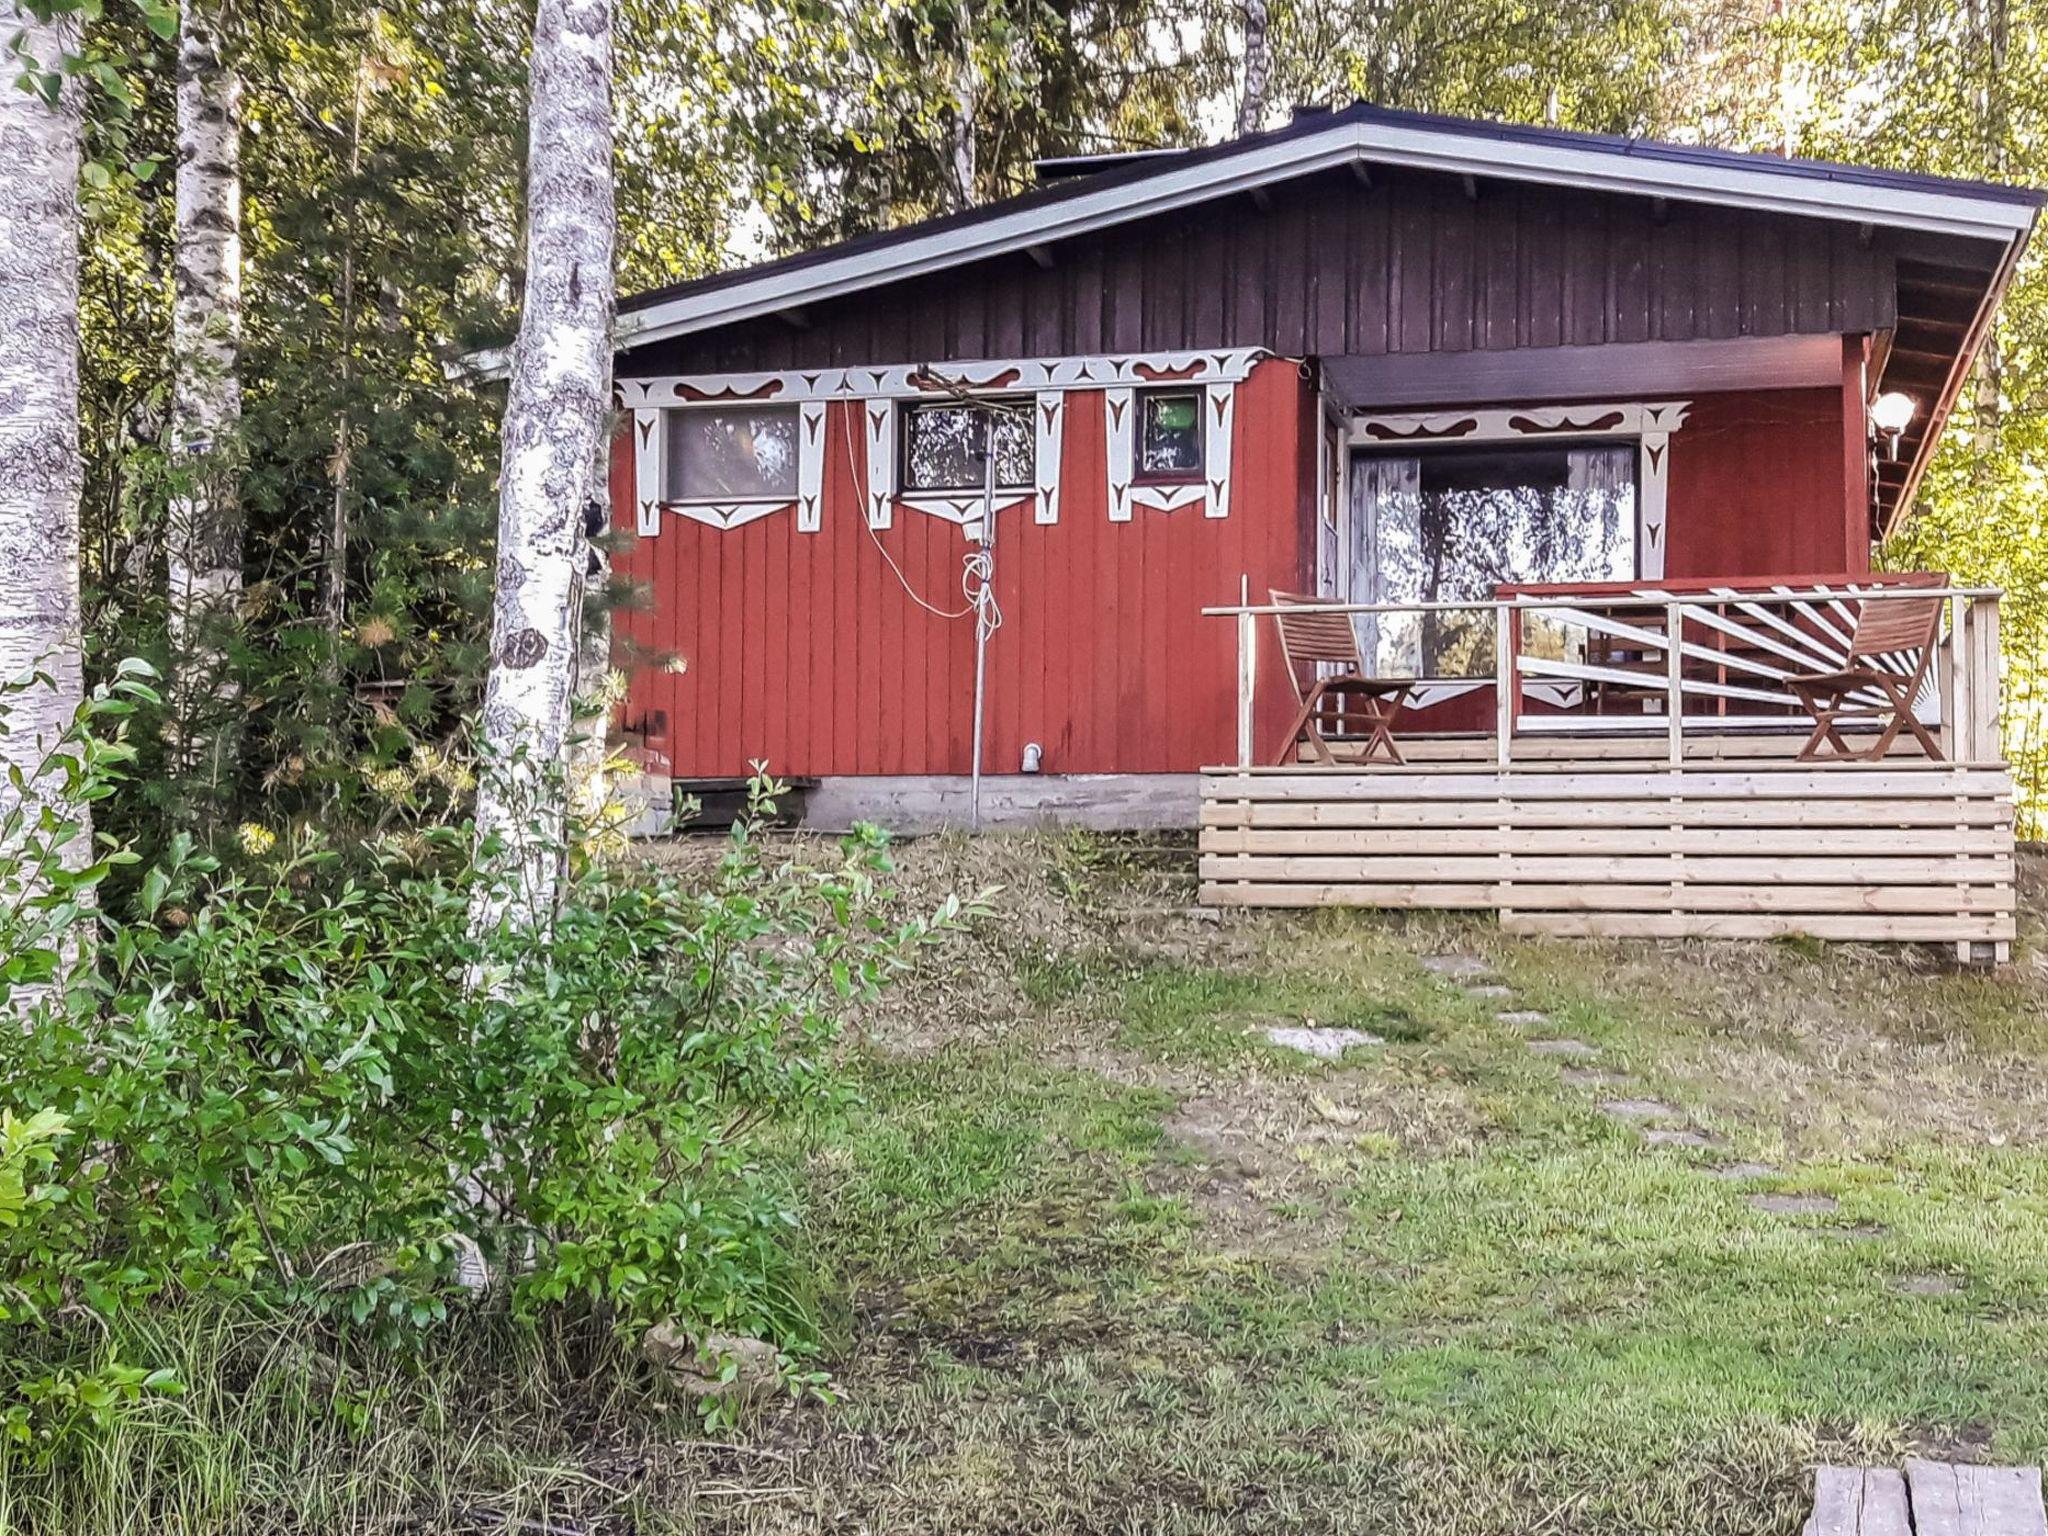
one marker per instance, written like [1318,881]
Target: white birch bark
[966,103]
[41,473]
[203,543]
[592,805]
[553,437]
[1258,68]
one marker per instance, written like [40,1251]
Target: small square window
[1170,434]
[731,453]
[943,444]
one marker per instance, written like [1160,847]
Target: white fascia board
[1939,212]
[1762,188]
[1159,192]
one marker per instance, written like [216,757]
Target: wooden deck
[1894,851]
[1687,815]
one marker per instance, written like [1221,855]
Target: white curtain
[1386,546]
[1606,476]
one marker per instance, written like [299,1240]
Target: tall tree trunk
[334,579]
[1258,68]
[204,544]
[555,419]
[41,473]
[966,103]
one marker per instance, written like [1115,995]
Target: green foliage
[297,1078]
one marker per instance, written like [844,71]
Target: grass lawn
[1111,1261]
[1094,1256]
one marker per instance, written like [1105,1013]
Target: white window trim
[878,391]
[1649,422]
[650,459]
[1128,492]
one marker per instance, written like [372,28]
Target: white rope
[977,585]
[846,430]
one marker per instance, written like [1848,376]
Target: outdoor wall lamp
[1891,413]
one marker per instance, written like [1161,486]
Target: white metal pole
[983,593]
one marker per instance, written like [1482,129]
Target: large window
[943,444]
[1455,524]
[731,453]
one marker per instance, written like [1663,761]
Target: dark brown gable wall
[1409,264]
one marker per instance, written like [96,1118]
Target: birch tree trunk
[203,547]
[966,103]
[553,435]
[1258,68]
[41,473]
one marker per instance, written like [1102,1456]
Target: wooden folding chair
[1885,627]
[1334,706]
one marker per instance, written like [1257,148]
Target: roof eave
[1262,161]
[1958,375]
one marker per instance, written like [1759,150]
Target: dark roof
[1085,175]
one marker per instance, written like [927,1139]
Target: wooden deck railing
[1686,659]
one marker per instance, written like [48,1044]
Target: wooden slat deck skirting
[1905,851]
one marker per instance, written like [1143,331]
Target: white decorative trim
[1049,413]
[1127,491]
[1006,376]
[1481,150]
[1217,421]
[650,475]
[1118,406]
[878,421]
[962,507]
[647,452]
[810,467]
[1651,423]
[727,515]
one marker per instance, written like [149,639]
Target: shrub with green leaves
[290,1074]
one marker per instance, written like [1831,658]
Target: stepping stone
[1459,967]
[1577,1049]
[1796,1205]
[1592,1077]
[1860,1232]
[1927,1285]
[1490,989]
[1736,1171]
[1638,1109]
[1323,1044]
[1667,1137]
[1522,1018]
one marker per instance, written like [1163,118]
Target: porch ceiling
[1624,370]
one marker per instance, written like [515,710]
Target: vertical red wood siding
[1758,484]
[804,650]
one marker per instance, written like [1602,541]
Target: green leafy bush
[286,1076]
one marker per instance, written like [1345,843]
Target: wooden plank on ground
[1859,1501]
[1951,1500]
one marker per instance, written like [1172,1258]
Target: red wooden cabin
[1388,358]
